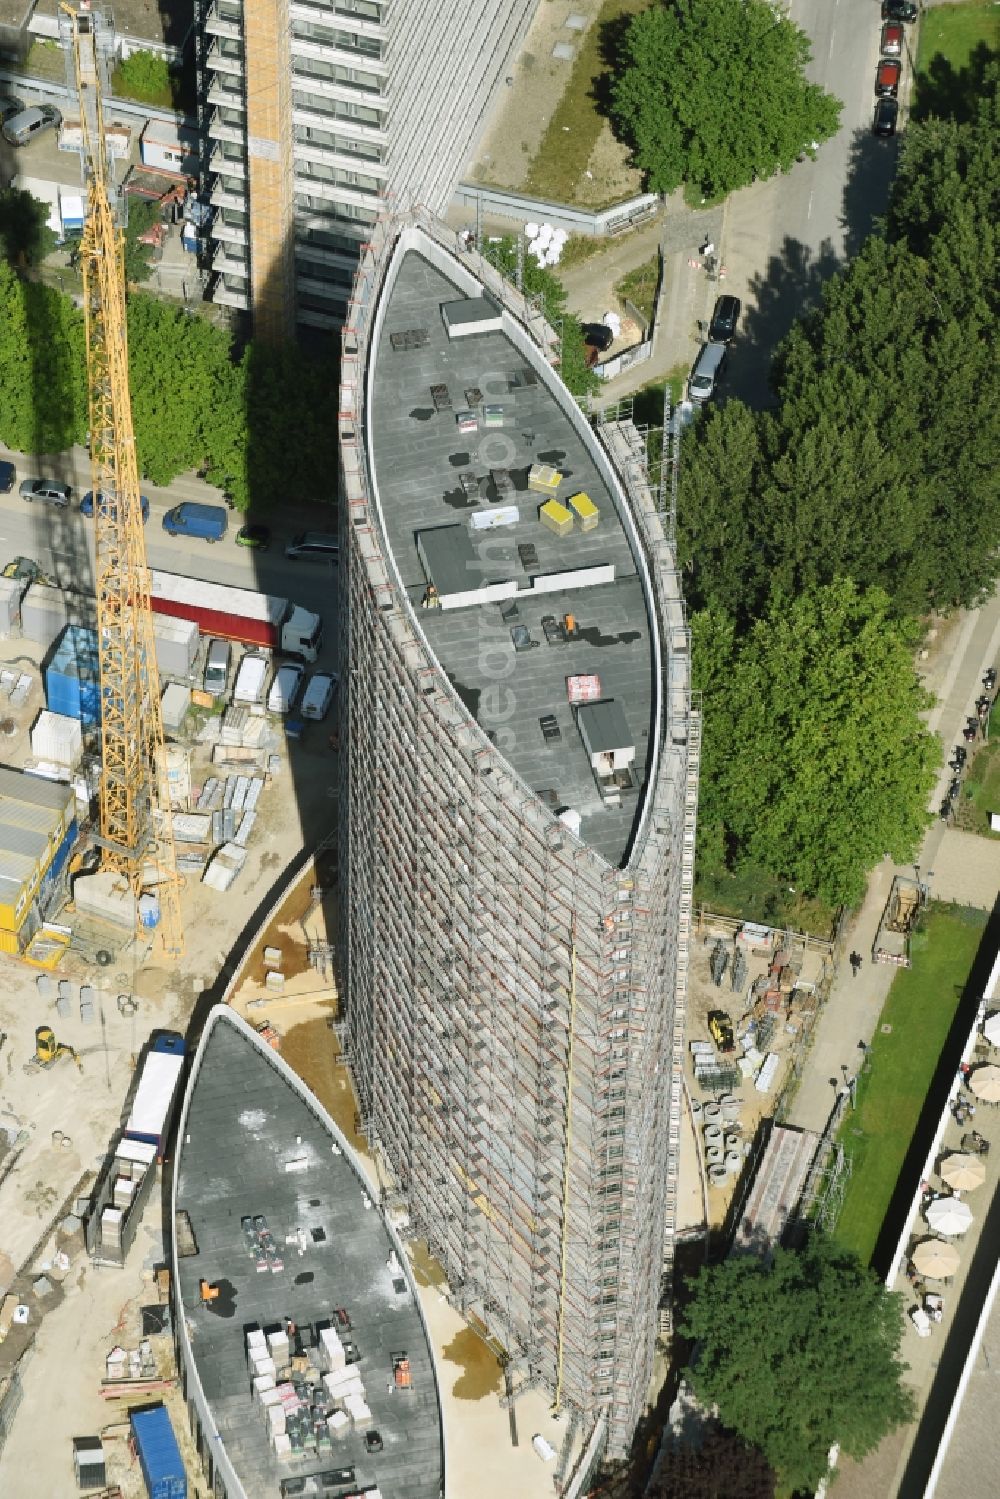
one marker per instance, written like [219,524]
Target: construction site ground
[56,1125]
[700,1203]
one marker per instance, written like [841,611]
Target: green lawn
[639,286]
[981,787]
[920,1009]
[572,133]
[954,44]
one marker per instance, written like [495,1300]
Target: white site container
[57,738]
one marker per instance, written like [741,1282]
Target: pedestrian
[708,248]
[856,962]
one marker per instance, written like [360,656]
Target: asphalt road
[62,541]
[784,237]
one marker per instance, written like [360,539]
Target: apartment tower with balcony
[314,112]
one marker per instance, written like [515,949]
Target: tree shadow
[790,286]
[867,188]
[949,93]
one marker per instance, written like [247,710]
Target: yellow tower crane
[136,838]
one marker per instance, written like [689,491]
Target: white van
[320,693]
[251,680]
[707,371]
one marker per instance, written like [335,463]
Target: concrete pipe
[713,1134]
[711,1112]
[717,1176]
[714,1155]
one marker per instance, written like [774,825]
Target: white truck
[251,681]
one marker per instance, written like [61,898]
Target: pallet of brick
[339,1424]
[331,1349]
[358,1411]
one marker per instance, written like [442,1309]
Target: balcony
[217,23]
[225,98]
[231,234]
[226,197]
[228,163]
[226,58]
[219,129]
[227,260]
[230,293]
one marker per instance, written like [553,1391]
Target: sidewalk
[970,871]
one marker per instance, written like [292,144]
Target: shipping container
[158,1453]
[176,642]
[72,678]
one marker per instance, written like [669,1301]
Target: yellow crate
[586,511]
[555,517]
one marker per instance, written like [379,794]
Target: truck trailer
[156,1092]
[239,614]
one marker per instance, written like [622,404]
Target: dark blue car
[87,505]
[8,474]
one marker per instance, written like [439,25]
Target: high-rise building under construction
[314,110]
[519,755]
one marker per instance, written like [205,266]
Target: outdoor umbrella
[946,1215]
[985,1083]
[936,1259]
[963,1172]
[991,1030]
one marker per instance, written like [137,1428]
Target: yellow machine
[48,1050]
[136,838]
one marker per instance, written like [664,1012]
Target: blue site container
[158,1453]
[73,676]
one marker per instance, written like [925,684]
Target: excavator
[48,1050]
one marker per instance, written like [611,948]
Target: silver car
[51,491]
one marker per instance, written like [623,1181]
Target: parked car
[257,538]
[708,368]
[208,522]
[319,694]
[51,491]
[285,688]
[891,44]
[217,660]
[722,328]
[8,473]
[22,128]
[886,114]
[87,504]
[316,546]
[9,107]
[898,10]
[887,77]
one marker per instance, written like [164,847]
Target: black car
[8,473]
[886,115]
[722,328]
[898,10]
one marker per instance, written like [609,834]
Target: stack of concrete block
[331,1350]
[339,1424]
[356,1408]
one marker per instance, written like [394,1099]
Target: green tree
[145,76]
[142,217]
[720,475]
[25,236]
[721,1467]
[187,404]
[290,449]
[714,93]
[816,760]
[43,409]
[798,1354]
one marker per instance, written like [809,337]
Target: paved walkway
[954,870]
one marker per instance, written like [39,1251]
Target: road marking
[810,208]
[830,53]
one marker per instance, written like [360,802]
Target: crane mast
[136,838]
